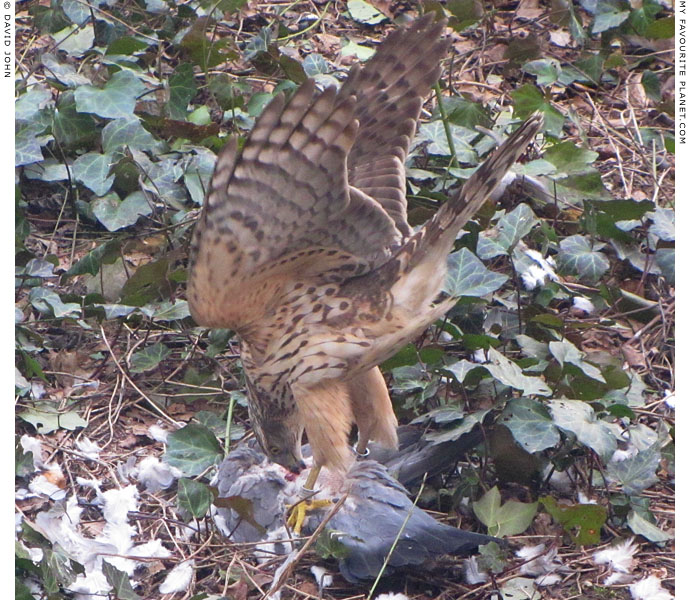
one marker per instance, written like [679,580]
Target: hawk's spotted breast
[303,248]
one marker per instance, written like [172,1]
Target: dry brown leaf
[633,356]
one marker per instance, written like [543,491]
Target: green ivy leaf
[115,214]
[315,64]
[583,521]
[47,170]
[75,40]
[126,45]
[128,132]
[169,311]
[363,53]
[48,302]
[568,158]
[45,418]
[464,112]
[119,580]
[182,89]
[579,418]
[662,29]
[92,170]
[27,148]
[91,263]
[666,259]
[546,70]
[363,12]
[28,105]
[641,526]
[566,352]
[460,369]
[115,100]
[531,425]
[528,99]
[149,358]
[457,430]
[608,19]
[65,73]
[510,374]
[49,19]
[435,133]
[467,276]
[664,224]
[621,210]
[192,449]
[515,225]
[70,128]
[579,256]
[637,473]
[56,570]
[194,497]
[511,518]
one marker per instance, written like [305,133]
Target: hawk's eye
[274,450]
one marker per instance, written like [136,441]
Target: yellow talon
[299,512]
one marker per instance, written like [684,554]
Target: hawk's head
[281,442]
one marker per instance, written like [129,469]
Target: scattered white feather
[479,356]
[392,596]
[90,585]
[118,502]
[649,589]
[127,469]
[539,563]
[583,304]
[559,480]
[537,274]
[152,549]
[159,434]
[583,498]
[444,336]
[59,524]
[274,545]
[473,574]
[619,557]
[23,494]
[617,578]
[119,535]
[38,390]
[220,521]
[544,580]
[94,484]
[619,455]
[35,554]
[33,445]
[323,579]
[178,579]
[156,475]
[45,483]
[88,448]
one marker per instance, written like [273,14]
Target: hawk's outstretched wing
[389,92]
[318,190]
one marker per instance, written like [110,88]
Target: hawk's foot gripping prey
[304,250]
[299,512]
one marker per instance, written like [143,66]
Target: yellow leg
[311,478]
[299,512]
